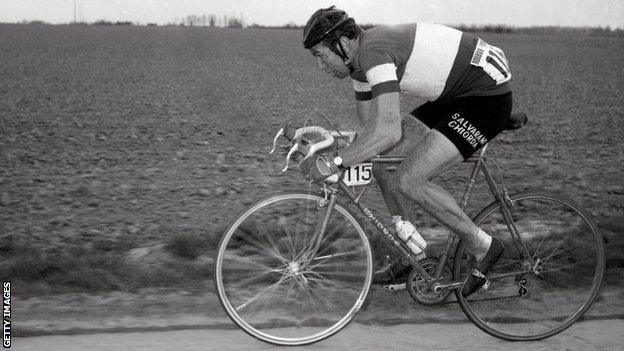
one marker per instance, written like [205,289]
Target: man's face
[329,62]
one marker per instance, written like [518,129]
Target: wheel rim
[543,301]
[274,288]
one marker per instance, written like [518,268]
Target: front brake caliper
[323,202]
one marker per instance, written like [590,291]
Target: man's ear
[344,42]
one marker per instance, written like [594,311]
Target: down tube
[389,236]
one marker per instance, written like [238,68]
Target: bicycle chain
[521,293]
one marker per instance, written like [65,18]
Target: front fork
[326,206]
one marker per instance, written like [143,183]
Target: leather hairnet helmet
[321,24]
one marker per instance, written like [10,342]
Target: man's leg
[431,156]
[397,204]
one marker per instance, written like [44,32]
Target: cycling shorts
[468,122]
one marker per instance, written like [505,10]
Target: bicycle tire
[532,306]
[269,289]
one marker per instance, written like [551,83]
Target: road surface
[586,335]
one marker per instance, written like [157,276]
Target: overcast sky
[278,12]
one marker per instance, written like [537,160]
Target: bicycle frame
[499,194]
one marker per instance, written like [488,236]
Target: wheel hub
[293,268]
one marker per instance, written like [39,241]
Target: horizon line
[292,25]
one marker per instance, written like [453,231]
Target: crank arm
[438,288]
[394,287]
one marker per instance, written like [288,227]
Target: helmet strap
[344,57]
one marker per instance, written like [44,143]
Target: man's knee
[384,177]
[380,171]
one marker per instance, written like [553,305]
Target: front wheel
[275,286]
[543,289]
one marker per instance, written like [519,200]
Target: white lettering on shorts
[467,131]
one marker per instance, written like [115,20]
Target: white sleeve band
[381,73]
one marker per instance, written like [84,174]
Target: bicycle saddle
[516,121]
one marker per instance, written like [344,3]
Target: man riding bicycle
[466,83]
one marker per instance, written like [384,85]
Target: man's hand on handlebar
[307,143]
[317,168]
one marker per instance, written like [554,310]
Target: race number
[492,60]
[360,174]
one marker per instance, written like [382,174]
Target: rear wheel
[534,301]
[274,286]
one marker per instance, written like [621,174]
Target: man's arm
[364,110]
[380,121]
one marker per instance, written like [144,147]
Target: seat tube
[506,212]
[473,176]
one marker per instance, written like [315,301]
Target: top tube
[396,159]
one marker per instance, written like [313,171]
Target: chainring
[422,291]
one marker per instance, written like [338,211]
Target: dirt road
[161,319]
[588,335]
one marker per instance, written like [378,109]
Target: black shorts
[468,122]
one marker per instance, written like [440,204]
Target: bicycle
[295,267]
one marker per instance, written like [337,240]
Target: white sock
[482,244]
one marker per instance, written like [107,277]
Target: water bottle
[408,233]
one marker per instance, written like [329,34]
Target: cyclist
[466,83]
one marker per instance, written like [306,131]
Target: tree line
[225,21]
[234,21]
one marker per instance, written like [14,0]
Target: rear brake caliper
[508,199]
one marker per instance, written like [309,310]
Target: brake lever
[279,134]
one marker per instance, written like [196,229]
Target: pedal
[476,273]
[484,288]
[394,287]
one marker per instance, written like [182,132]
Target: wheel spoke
[270,249]
[249,262]
[325,258]
[262,293]
[534,299]
[268,288]
[254,278]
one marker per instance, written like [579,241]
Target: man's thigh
[424,148]
[413,132]
[429,157]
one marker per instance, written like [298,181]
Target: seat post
[482,151]
[473,175]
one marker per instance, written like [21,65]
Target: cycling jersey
[429,61]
